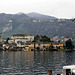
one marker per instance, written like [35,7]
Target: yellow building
[58,45]
[47,45]
[29,46]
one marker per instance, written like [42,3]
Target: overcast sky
[57,8]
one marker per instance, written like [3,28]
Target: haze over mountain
[39,16]
[21,23]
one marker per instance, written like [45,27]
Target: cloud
[58,8]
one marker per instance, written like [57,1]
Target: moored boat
[69,70]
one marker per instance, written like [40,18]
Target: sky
[56,8]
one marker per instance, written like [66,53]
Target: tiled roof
[22,35]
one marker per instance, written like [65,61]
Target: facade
[65,39]
[10,41]
[28,37]
[37,45]
[21,39]
[20,42]
[0,37]
[29,46]
[33,46]
[40,45]
[58,45]
[47,45]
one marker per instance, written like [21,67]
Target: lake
[34,63]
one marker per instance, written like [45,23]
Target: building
[65,39]
[21,39]
[58,45]
[10,41]
[28,37]
[39,45]
[0,37]
[42,46]
[35,20]
[47,45]
[20,42]
[29,46]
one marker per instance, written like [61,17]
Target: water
[34,63]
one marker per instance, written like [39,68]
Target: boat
[53,49]
[69,70]
[27,50]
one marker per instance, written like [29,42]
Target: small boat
[69,70]
[27,49]
[53,49]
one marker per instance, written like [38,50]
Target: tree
[51,46]
[45,39]
[38,48]
[36,38]
[59,41]
[7,40]
[69,44]
[42,38]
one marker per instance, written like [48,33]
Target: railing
[68,72]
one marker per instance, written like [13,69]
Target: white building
[21,39]
[21,42]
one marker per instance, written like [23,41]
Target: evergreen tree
[7,40]
[69,44]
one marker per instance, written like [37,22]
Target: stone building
[21,39]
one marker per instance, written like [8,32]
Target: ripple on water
[34,63]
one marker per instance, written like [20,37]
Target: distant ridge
[20,13]
[21,23]
[39,16]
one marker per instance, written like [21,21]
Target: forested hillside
[21,23]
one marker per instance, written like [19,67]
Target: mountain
[39,16]
[21,23]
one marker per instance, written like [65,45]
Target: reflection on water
[34,63]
